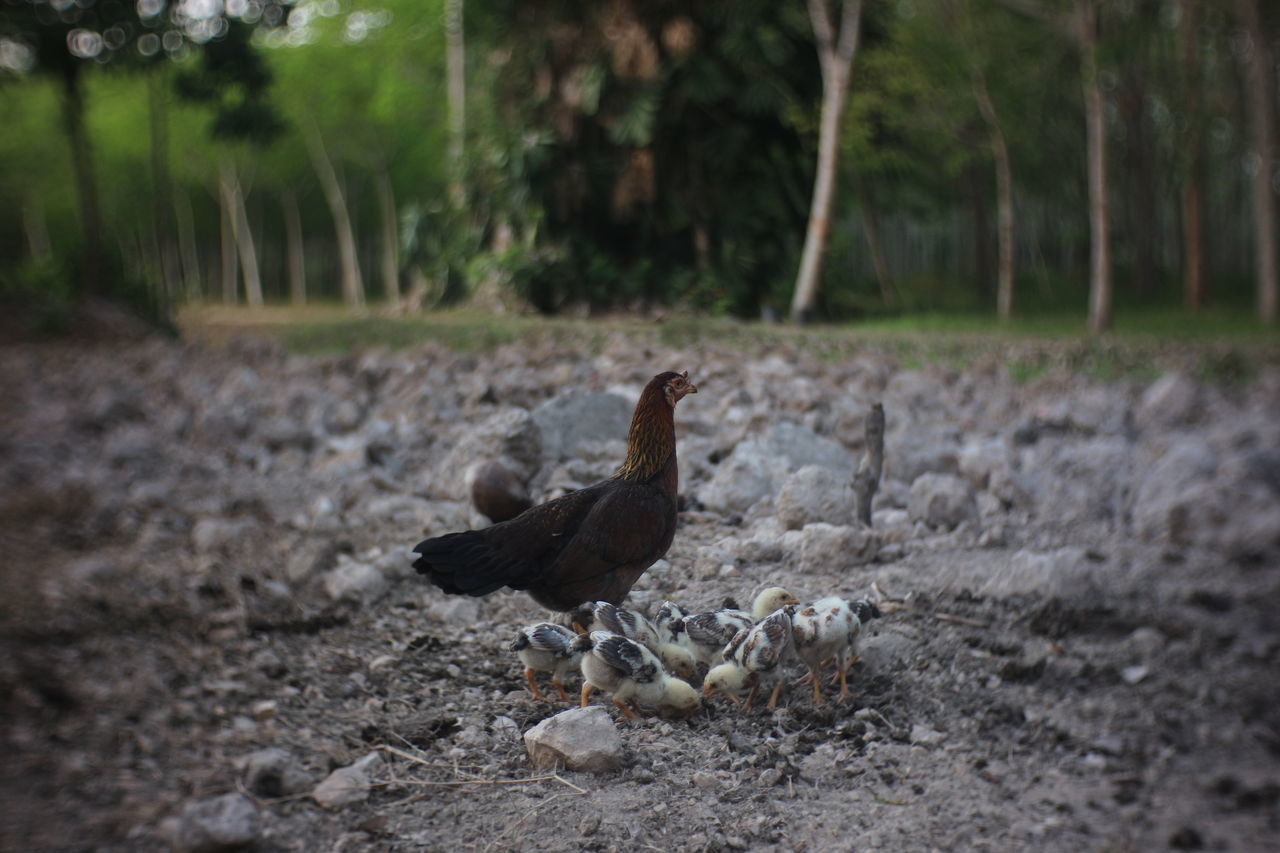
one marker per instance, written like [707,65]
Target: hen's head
[674,386]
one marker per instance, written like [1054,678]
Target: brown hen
[589,545]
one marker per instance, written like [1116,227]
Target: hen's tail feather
[465,564]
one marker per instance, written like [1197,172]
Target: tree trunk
[871,226]
[187,251]
[91,271]
[35,227]
[979,205]
[227,257]
[1192,197]
[294,253]
[836,58]
[1004,199]
[162,201]
[352,283]
[866,480]
[456,89]
[389,259]
[245,244]
[1100,287]
[1257,70]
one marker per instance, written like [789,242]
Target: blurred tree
[1261,108]
[836,50]
[63,40]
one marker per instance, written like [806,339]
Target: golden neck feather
[651,439]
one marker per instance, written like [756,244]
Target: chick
[707,634]
[636,626]
[754,658]
[546,647]
[633,674]
[827,630]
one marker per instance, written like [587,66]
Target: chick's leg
[533,685]
[627,712]
[559,686]
[817,690]
[586,693]
[773,696]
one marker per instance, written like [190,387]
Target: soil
[174,515]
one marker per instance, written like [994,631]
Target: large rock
[758,466]
[579,739]
[512,438]
[228,822]
[941,500]
[348,785]
[828,547]
[814,494]
[1173,400]
[570,420]
[351,580]
[1172,498]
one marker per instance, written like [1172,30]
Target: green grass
[1222,347]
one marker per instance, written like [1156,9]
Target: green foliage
[43,290]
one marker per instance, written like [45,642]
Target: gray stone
[758,466]
[1173,400]
[814,494]
[941,500]
[584,739]
[1173,498]
[348,785]
[572,419]
[922,735]
[827,547]
[354,581]
[228,822]
[274,772]
[512,437]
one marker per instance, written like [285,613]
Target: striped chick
[636,626]
[755,657]
[546,647]
[633,674]
[708,633]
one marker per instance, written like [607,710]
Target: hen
[589,545]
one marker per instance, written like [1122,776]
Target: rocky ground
[212,637]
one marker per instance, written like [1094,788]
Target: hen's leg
[533,685]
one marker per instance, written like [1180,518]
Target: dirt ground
[206,555]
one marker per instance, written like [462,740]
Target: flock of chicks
[647,665]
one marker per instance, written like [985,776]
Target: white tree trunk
[456,87]
[352,283]
[233,195]
[836,58]
[1261,133]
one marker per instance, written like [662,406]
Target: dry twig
[959,620]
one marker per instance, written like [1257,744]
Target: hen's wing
[515,553]
[628,527]
[629,658]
